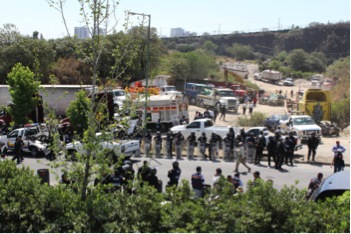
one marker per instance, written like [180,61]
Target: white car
[29,135]
[126,147]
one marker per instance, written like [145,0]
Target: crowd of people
[240,148]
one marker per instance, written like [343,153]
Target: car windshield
[119,93]
[303,121]
[170,88]
[226,93]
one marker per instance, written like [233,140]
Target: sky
[199,16]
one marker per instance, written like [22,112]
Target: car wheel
[115,108]
[34,151]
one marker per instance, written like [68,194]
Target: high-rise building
[179,32]
[81,32]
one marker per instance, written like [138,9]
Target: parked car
[272,122]
[334,185]
[288,82]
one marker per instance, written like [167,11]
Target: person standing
[312,145]
[244,108]
[215,114]
[198,182]
[214,143]
[271,150]
[251,106]
[152,179]
[202,145]
[292,93]
[191,145]
[18,150]
[254,101]
[144,171]
[207,114]
[259,149]
[158,144]
[174,174]
[228,147]
[251,146]
[169,141]
[232,136]
[240,155]
[289,150]
[147,143]
[178,138]
[279,153]
[223,112]
[338,160]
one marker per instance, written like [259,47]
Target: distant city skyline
[205,16]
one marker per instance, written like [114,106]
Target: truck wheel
[34,151]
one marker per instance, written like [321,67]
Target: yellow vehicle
[317,104]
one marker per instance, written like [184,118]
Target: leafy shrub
[256,119]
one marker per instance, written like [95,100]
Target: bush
[256,119]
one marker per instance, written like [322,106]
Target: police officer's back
[174,174]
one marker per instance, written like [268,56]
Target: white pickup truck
[127,147]
[30,133]
[203,125]
[303,125]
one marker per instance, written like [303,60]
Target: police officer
[178,141]
[312,145]
[271,150]
[191,145]
[251,147]
[214,143]
[228,142]
[174,174]
[158,144]
[169,141]
[147,143]
[202,145]
[232,135]
[289,150]
[259,149]
[279,153]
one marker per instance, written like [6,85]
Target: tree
[22,87]
[9,34]
[78,111]
[240,52]
[210,46]
[298,60]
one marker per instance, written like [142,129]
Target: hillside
[331,39]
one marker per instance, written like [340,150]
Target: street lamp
[147,62]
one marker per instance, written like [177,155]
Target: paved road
[301,172]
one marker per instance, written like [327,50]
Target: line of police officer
[279,149]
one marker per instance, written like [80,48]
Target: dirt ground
[324,151]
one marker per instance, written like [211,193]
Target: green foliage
[28,206]
[210,46]
[340,112]
[78,110]
[195,65]
[256,119]
[22,88]
[240,52]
